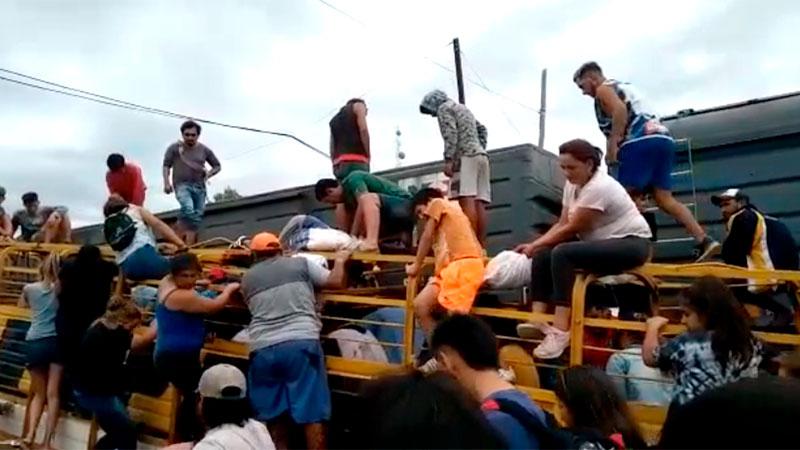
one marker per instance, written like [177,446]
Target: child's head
[708,303]
[185,270]
[328,190]
[422,198]
[122,313]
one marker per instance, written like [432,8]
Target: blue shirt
[513,432]
[44,306]
[691,360]
[393,334]
[629,372]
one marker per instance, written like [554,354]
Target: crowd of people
[80,334]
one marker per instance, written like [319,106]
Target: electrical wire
[110,101]
[481,85]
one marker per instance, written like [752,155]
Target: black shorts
[42,352]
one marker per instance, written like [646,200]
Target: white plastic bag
[327,240]
[508,270]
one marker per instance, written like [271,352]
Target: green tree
[228,195]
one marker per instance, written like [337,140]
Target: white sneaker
[554,343]
[430,366]
[532,330]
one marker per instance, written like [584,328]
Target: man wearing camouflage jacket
[466,161]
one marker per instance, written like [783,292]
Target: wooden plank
[150,404]
[154,421]
[512,314]
[717,270]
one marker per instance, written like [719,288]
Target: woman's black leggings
[554,268]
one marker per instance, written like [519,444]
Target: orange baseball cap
[264,241]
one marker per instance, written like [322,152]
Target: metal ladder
[693,205]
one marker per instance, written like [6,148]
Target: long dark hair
[722,314]
[595,404]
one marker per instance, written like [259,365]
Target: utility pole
[459,73]
[542,108]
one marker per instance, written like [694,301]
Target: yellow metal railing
[666,276]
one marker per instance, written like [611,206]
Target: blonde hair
[119,312]
[49,270]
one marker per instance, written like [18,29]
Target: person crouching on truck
[459,259]
[760,242]
[612,236]
[129,231]
[41,223]
[376,206]
[287,367]
[465,158]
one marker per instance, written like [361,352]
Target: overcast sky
[288,65]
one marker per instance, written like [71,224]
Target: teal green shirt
[360,182]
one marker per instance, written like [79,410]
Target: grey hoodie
[462,134]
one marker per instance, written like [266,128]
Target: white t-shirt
[620,218]
[252,436]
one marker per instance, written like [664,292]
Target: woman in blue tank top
[181,331]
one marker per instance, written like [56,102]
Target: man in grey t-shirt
[287,367]
[187,161]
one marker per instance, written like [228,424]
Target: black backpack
[119,230]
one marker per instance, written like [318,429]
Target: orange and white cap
[264,241]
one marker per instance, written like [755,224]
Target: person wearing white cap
[226,412]
[757,241]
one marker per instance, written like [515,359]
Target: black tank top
[346,138]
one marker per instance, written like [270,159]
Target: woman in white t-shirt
[600,230]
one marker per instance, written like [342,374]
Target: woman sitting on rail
[129,230]
[717,348]
[180,316]
[612,236]
[43,361]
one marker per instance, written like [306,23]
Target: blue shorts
[290,377]
[40,353]
[145,263]
[646,163]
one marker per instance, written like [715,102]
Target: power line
[436,63]
[110,101]
[502,110]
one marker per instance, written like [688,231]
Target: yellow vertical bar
[576,328]
[408,331]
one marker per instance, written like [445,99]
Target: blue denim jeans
[112,417]
[192,198]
